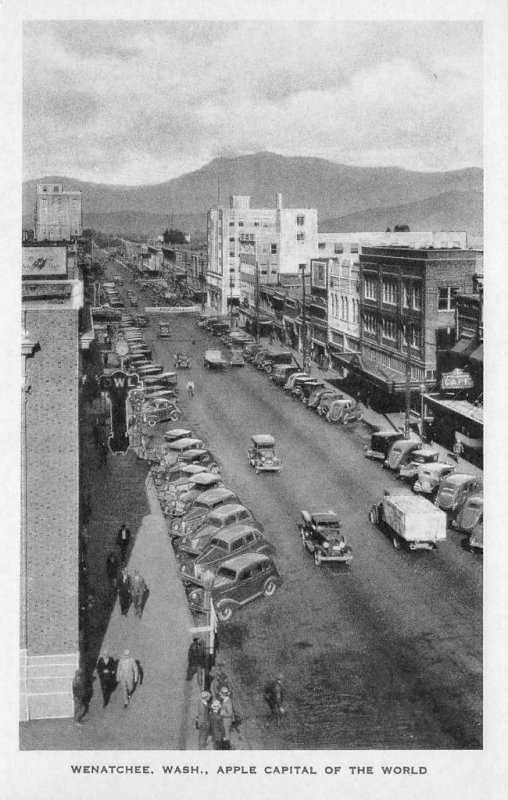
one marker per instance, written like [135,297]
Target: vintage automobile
[319,393]
[321,535]
[201,508]
[430,476]
[160,410]
[174,434]
[149,370]
[158,390]
[141,321]
[216,521]
[236,358]
[275,356]
[238,581]
[250,350]
[176,450]
[164,330]
[290,382]
[307,389]
[409,472]
[401,453]
[203,319]
[259,357]
[409,520]
[381,443]
[134,301]
[181,470]
[186,490]
[239,338]
[297,390]
[212,321]
[220,328]
[139,348]
[214,359]
[282,372]
[341,409]
[469,521]
[455,489]
[182,361]
[199,455]
[232,541]
[262,454]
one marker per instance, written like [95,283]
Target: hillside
[336,190]
[447,212]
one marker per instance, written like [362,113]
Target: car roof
[476,497]
[178,433]
[206,477]
[196,451]
[425,451]
[436,466]
[229,508]
[245,560]
[215,494]
[458,478]
[325,516]
[263,440]
[234,531]
[181,444]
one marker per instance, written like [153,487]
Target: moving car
[455,489]
[321,535]
[182,361]
[238,581]
[164,330]
[410,520]
[214,359]
[262,454]
[236,358]
[232,541]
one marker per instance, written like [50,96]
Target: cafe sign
[457,379]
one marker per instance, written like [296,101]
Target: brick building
[49,630]
[57,213]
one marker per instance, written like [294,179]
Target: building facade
[57,213]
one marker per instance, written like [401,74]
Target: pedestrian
[127,675]
[123,538]
[190,389]
[175,360]
[216,725]
[203,720]
[196,660]
[219,679]
[274,696]
[124,591]
[104,452]
[106,671]
[80,695]
[226,712]
[112,566]
[138,591]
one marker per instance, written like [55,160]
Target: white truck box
[214,358]
[414,518]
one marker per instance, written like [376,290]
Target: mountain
[451,211]
[334,189]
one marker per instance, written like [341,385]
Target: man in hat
[219,679]
[124,591]
[112,566]
[106,669]
[127,675]
[80,694]
[216,725]
[196,658]
[226,712]
[203,719]
[274,696]
[138,589]
[122,539]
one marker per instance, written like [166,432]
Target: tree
[401,228]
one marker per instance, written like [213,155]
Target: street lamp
[208,580]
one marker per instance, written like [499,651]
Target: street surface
[385,654]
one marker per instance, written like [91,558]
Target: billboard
[44,262]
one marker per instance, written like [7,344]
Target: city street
[385,654]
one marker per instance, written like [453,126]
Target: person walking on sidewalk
[274,696]
[106,672]
[203,720]
[216,725]
[219,679]
[196,660]
[124,591]
[123,538]
[226,712]
[127,675]
[112,567]
[81,696]
[138,591]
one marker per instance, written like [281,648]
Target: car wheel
[174,416]
[225,612]
[373,515]
[269,588]
[151,422]
[268,369]
[317,560]
[395,543]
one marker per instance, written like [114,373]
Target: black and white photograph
[248,246]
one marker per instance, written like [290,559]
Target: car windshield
[219,544]
[327,522]
[447,490]
[476,505]
[225,572]
[265,452]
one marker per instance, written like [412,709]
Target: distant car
[232,541]
[282,372]
[262,454]
[238,581]
[164,330]
[401,453]
[134,301]
[322,536]
[236,358]
[160,410]
[141,320]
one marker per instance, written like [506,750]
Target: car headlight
[326,545]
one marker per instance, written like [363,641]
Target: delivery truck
[409,520]
[214,359]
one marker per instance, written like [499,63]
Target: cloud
[143,101]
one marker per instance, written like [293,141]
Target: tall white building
[277,239]
[57,213]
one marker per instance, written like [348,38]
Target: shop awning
[464,346]
[477,355]
[459,408]
[390,380]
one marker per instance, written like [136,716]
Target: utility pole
[407,427]
[257,301]
[306,360]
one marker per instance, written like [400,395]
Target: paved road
[386,654]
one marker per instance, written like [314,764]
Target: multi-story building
[52,297]
[406,317]
[57,213]
[278,239]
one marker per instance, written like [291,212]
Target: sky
[139,102]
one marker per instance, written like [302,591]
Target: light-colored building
[58,216]
[279,239]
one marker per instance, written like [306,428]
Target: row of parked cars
[215,537]
[458,494]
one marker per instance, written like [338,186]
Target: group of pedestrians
[132,590]
[125,672]
[216,716]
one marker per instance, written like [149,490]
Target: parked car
[307,389]
[282,372]
[274,356]
[186,491]
[469,521]
[430,476]
[200,456]
[150,370]
[259,357]
[319,393]
[401,453]
[322,536]
[164,330]
[165,379]
[410,520]
[141,321]
[180,469]
[238,581]
[202,506]
[176,450]
[233,541]
[236,358]
[160,410]
[182,361]
[214,359]
[294,376]
[215,521]
[174,434]
[409,472]
[262,454]
[454,491]
[381,443]
[204,319]
[134,301]
[250,350]
[297,390]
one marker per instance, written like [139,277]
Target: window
[406,291]
[445,297]
[369,323]
[370,289]
[300,220]
[416,336]
[417,298]
[246,576]
[389,292]
[250,538]
[300,237]
[237,545]
[274,249]
[231,223]
[231,238]
[321,245]
[389,330]
[338,247]
[240,223]
[355,247]
[231,253]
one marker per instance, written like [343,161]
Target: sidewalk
[156,718]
